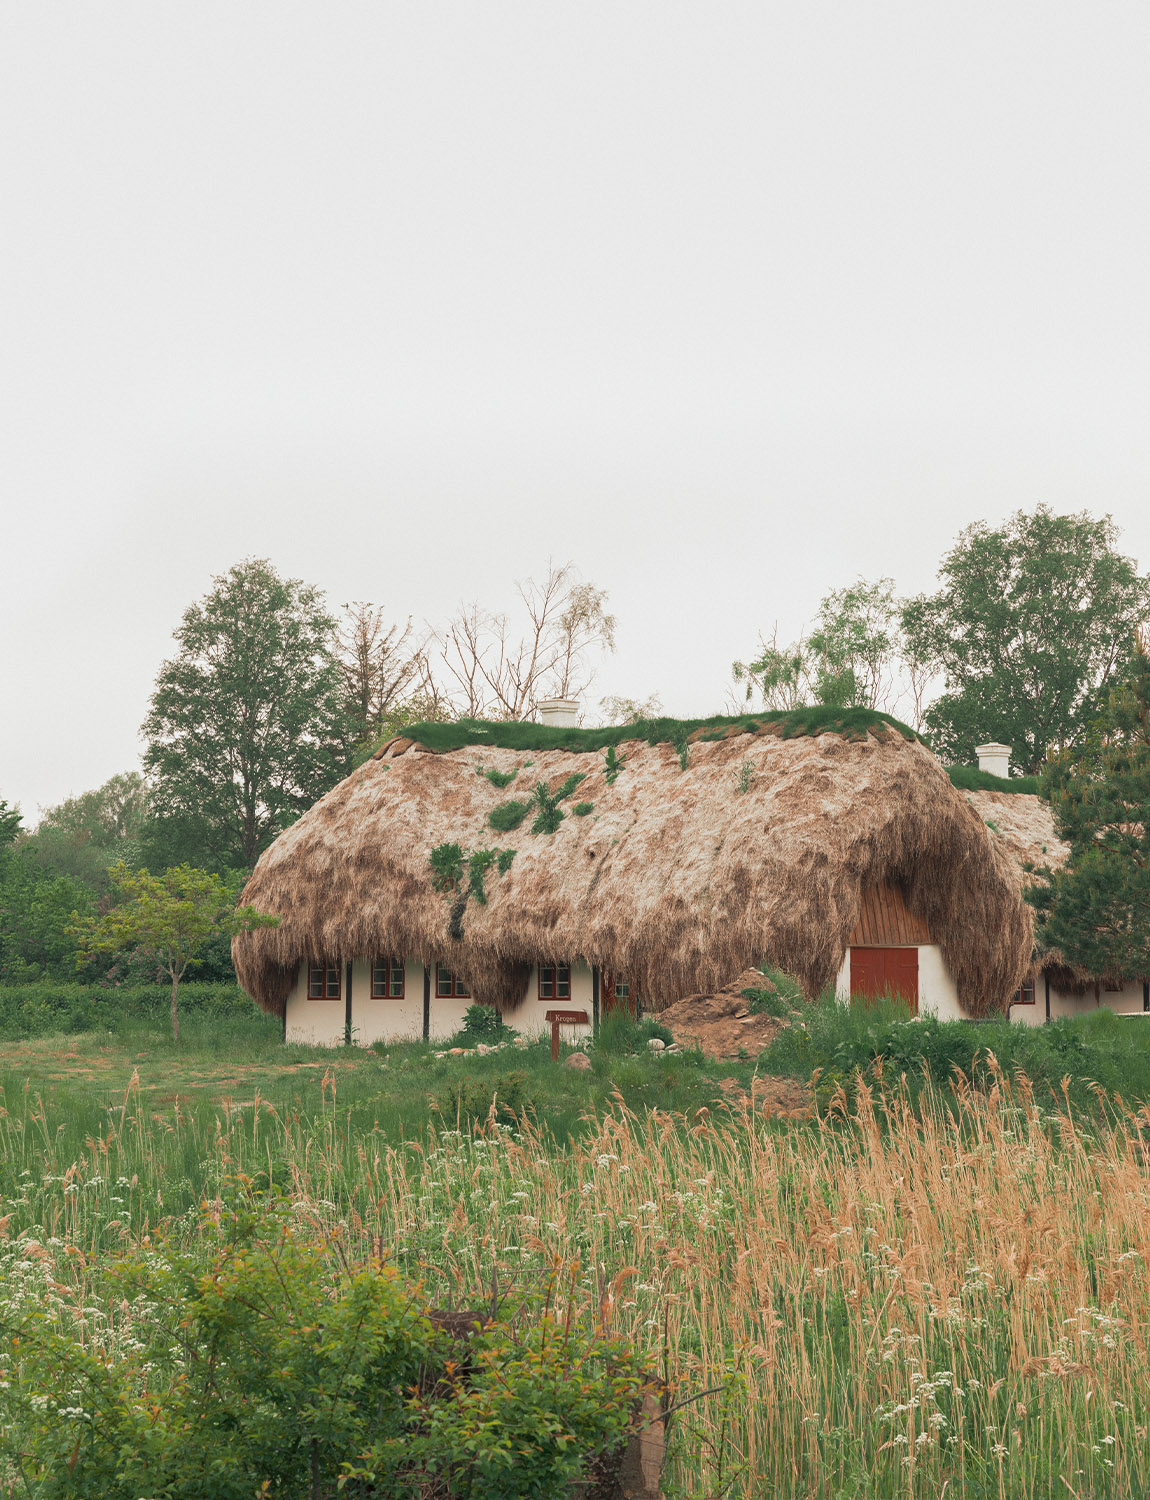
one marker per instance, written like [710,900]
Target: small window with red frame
[554,981]
[1025,994]
[450,986]
[387,979]
[323,981]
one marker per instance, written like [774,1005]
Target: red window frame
[387,978]
[323,981]
[1025,994]
[554,981]
[449,986]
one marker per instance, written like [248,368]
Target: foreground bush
[272,1366]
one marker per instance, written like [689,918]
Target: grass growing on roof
[971,779]
[851,723]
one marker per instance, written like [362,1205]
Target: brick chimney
[994,758]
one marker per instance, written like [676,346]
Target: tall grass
[893,1301]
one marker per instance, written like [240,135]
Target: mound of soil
[787,1098]
[721,1025]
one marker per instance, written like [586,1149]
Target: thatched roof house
[1023,827]
[676,861]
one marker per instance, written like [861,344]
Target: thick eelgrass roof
[1024,827]
[760,848]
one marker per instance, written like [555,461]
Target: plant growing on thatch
[501,778]
[446,866]
[508,815]
[550,814]
[448,862]
[746,777]
[612,765]
[581,809]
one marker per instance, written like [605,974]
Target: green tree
[1096,910]
[83,836]
[174,916]
[1031,622]
[247,725]
[35,909]
[849,659]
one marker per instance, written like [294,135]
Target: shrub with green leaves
[581,809]
[482,1023]
[471,1100]
[524,1421]
[263,1362]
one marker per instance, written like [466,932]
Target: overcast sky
[726,303]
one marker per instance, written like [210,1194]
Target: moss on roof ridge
[458,734]
[971,779]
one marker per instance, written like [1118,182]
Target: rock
[457,1052]
[483,1049]
[656,1044]
[579,1061]
[521,1042]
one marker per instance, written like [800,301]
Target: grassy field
[929,1289]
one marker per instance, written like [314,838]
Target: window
[323,981]
[1113,986]
[450,986]
[1025,995]
[387,979]
[554,981]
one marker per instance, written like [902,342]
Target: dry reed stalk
[842,1284]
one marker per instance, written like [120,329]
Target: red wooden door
[878,972]
[617,994]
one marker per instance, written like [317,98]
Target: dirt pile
[786,1098]
[721,1025]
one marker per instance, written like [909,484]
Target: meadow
[936,1285]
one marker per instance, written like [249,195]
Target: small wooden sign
[562,1018]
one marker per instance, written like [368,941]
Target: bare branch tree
[497,673]
[378,664]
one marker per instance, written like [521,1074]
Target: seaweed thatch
[760,849]
[1023,826]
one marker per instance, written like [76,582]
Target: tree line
[271,697]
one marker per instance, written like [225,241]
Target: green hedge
[46,1009]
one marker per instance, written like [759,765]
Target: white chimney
[994,758]
[559,713]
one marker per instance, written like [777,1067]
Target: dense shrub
[264,1363]
[482,1023]
[47,1009]
[468,1099]
[1101,1047]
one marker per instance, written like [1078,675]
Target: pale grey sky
[728,303]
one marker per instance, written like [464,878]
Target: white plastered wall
[1124,1002]
[317,1023]
[321,1022]
[395,1019]
[937,994]
[530,1017]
